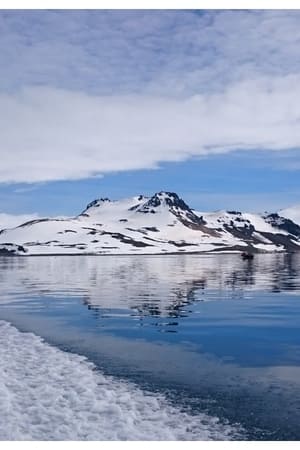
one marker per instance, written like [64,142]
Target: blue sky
[116,103]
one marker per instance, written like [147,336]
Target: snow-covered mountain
[292,213]
[163,223]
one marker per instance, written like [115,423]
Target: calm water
[213,333]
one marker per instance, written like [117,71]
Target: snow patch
[292,213]
[13,220]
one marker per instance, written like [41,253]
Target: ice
[49,394]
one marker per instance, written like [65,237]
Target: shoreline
[202,253]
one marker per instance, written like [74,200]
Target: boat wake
[49,394]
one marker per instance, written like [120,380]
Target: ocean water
[196,347]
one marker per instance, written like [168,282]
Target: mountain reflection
[147,286]
[210,330]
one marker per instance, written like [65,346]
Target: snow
[292,213]
[48,394]
[261,238]
[160,224]
[218,218]
[111,209]
[260,224]
[88,232]
[13,220]
[264,247]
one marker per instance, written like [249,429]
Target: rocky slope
[163,223]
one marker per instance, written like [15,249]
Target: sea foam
[49,394]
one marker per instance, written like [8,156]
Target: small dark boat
[246,255]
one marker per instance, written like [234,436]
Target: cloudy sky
[117,103]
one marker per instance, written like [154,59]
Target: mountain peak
[163,223]
[164,198]
[170,202]
[98,202]
[95,204]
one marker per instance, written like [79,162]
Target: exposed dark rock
[66,231]
[154,229]
[169,198]
[179,209]
[126,239]
[181,244]
[243,233]
[8,249]
[80,246]
[136,230]
[32,222]
[281,239]
[6,252]
[96,203]
[151,239]
[133,208]
[107,248]
[283,224]
[236,213]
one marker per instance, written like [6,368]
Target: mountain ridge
[163,223]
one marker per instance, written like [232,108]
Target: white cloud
[121,90]
[52,134]
[11,220]
[173,52]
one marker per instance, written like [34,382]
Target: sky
[114,103]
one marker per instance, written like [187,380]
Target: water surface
[213,333]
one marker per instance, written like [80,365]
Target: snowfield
[48,394]
[163,223]
[292,213]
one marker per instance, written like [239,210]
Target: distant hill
[163,223]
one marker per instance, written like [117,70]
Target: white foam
[48,394]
